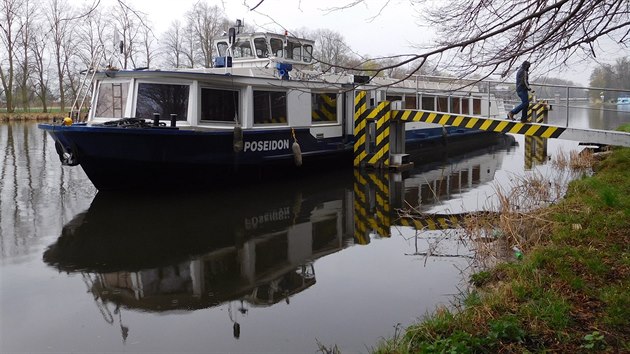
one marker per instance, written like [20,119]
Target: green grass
[570,293]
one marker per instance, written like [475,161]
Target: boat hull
[125,158]
[117,158]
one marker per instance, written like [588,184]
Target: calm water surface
[271,268]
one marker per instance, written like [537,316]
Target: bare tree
[494,36]
[331,49]
[127,25]
[26,25]
[10,30]
[148,45]
[173,44]
[205,22]
[39,80]
[58,16]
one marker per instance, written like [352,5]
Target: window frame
[269,92]
[336,108]
[238,91]
[125,96]
[138,82]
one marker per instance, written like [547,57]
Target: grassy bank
[31,116]
[569,293]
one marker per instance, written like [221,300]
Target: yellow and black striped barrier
[361,206]
[434,222]
[487,124]
[372,211]
[535,151]
[381,117]
[360,127]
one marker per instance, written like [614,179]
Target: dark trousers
[524,96]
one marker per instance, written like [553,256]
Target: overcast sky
[368,28]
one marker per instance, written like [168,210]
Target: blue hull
[126,158]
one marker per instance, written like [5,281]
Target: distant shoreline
[30,116]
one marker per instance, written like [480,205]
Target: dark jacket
[522,78]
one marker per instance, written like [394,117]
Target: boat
[261,110]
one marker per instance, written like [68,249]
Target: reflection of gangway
[379,198]
[383,145]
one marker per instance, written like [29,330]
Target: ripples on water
[270,268]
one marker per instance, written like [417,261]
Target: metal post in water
[156,119]
[173,120]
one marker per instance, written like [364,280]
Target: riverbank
[569,293]
[30,116]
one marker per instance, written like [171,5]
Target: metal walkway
[388,139]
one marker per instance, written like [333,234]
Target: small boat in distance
[261,108]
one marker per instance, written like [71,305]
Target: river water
[279,267]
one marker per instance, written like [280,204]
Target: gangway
[389,130]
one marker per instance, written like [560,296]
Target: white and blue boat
[260,109]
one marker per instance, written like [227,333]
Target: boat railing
[85,84]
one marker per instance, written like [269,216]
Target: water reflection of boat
[253,246]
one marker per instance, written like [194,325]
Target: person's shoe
[510,115]
[524,120]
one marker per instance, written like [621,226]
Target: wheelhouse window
[324,107]
[164,99]
[293,51]
[307,53]
[222,48]
[111,100]
[243,49]
[219,105]
[270,107]
[276,47]
[261,47]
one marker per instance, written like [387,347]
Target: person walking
[522,90]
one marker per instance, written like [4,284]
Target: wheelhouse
[258,49]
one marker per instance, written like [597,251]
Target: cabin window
[393,98]
[428,103]
[455,104]
[324,107]
[222,48]
[442,104]
[270,107]
[276,47]
[308,53]
[243,49]
[163,99]
[410,102]
[477,106]
[112,99]
[261,47]
[219,105]
[465,105]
